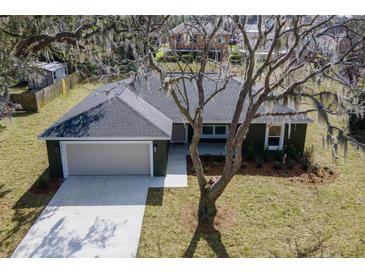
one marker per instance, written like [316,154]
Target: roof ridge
[126,97]
[142,116]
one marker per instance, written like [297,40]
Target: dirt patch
[51,186]
[213,166]
[225,217]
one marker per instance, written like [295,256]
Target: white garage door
[108,158]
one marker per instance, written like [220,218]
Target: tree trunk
[207,211]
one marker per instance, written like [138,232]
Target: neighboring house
[50,73]
[187,39]
[252,32]
[126,128]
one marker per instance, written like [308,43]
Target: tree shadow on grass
[31,198]
[23,113]
[212,237]
[3,191]
[2,128]
[28,207]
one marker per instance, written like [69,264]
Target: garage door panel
[108,159]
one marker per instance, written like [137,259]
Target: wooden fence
[34,101]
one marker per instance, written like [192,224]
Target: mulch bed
[51,187]
[213,166]
[225,217]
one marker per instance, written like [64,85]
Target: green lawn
[18,90]
[23,162]
[273,216]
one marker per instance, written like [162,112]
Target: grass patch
[18,89]
[274,216]
[23,165]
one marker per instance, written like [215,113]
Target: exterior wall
[256,137]
[54,159]
[297,136]
[186,44]
[160,157]
[178,134]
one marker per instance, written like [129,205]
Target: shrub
[187,58]
[160,56]
[291,151]
[127,67]
[265,153]
[259,163]
[42,183]
[308,158]
[250,152]
[315,168]
[235,58]
[279,155]
[170,58]
[290,163]
[305,164]
[277,165]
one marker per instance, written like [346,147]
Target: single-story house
[126,128]
[50,73]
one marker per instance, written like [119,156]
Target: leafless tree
[282,74]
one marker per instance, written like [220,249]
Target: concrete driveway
[98,216]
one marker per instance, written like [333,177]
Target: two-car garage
[107,158]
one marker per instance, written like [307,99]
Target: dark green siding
[255,137]
[160,157]
[54,159]
[297,136]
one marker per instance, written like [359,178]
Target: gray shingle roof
[142,110]
[219,109]
[53,66]
[111,118]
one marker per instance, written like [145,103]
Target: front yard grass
[23,162]
[273,217]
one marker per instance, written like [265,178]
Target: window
[214,131]
[178,38]
[219,39]
[274,137]
[220,130]
[193,38]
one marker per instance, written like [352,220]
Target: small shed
[51,72]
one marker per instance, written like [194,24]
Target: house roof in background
[53,66]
